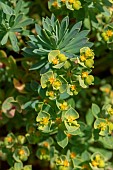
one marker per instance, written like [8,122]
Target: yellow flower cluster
[84,74]
[102,126]
[98,162]
[64,106]
[107,34]
[51,94]
[87,56]
[106,125]
[76,4]
[59,59]
[44,121]
[56,84]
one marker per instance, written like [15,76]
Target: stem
[26,59]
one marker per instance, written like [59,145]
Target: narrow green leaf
[13,40]
[17,20]
[18,7]
[38,65]
[6,9]
[26,22]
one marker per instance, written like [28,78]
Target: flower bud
[89,63]
[62,57]
[67,65]
[77,5]
[21,139]
[101,164]
[89,79]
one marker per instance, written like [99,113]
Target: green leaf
[85,156]
[71,102]
[5,39]
[26,22]
[6,9]
[17,20]
[18,7]
[72,112]
[6,107]
[89,117]
[63,28]
[77,38]
[18,166]
[62,139]
[27,167]
[38,65]
[13,40]
[107,141]
[95,110]
[63,96]
[34,85]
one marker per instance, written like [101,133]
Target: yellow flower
[46,144]
[9,139]
[55,61]
[55,4]
[89,53]
[51,93]
[71,1]
[64,106]
[69,136]
[71,119]
[94,163]
[57,84]
[107,90]
[51,80]
[84,74]
[66,163]
[21,152]
[82,58]
[72,155]
[97,157]
[45,121]
[73,87]
[102,126]
[109,33]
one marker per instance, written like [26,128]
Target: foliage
[56,103]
